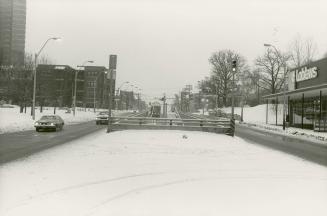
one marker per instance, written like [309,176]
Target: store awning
[312,91]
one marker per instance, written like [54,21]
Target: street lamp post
[131,102]
[138,99]
[118,92]
[75,85]
[34,72]
[284,80]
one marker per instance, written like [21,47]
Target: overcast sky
[162,45]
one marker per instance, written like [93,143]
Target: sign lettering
[306,74]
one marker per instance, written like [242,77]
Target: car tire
[96,123]
[37,129]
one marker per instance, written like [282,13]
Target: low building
[305,97]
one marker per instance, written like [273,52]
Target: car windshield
[48,118]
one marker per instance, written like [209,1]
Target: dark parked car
[102,118]
[52,122]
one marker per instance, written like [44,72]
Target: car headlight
[52,124]
[36,123]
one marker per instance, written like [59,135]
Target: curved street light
[284,79]
[75,83]
[34,71]
[121,86]
[118,92]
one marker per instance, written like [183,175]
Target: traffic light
[234,63]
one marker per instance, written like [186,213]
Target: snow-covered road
[162,173]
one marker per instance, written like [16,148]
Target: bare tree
[222,72]
[18,82]
[271,66]
[302,51]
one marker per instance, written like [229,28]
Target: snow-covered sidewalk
[303,134]
[162,173]
[256,117]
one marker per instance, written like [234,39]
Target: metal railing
[209,125]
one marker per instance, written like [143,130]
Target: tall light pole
[122,85]
[75,85]
[138,98]
[95,87]
[132,86]
[34,71]
[284,80]
[118,92]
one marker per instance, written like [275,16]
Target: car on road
[49,122]
[102,118]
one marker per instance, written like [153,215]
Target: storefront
[306,97]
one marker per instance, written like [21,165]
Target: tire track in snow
[87,184]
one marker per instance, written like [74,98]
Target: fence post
[170,122]
[232,127]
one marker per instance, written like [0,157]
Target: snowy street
[21,144]
[163,108]
[162,173]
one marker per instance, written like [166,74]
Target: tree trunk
[21,108]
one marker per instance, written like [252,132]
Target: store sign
[306,74]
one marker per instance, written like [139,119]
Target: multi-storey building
[12,32]
[125,100]
[96,87]
[55,86]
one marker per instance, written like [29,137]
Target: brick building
[55,86]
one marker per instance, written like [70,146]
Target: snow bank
[257,114]
[11,120]
[256,117]
[162,173]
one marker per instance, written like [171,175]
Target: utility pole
[138,102]
[284,98]
[112,69]
[234,66]
[232,120]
